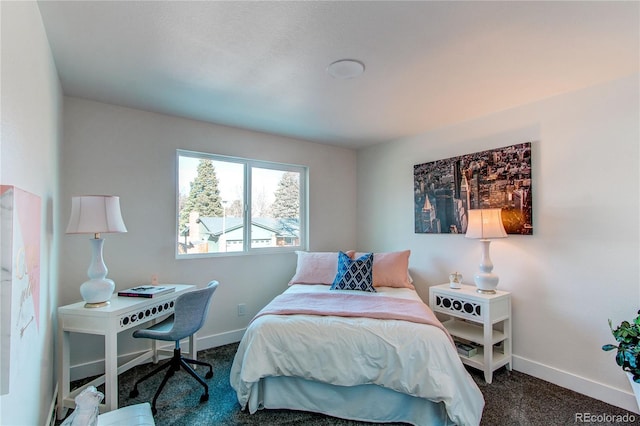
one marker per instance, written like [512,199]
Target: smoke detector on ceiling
[345,69]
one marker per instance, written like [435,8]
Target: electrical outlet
[242,309]
[154,279]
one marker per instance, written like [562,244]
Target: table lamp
[96,214]
[485,224]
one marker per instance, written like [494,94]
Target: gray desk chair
[190,312]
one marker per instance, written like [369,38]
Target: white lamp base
[485,280]
[486,283]
[97,292]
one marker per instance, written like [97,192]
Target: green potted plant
[627,334]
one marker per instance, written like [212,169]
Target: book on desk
[147,291]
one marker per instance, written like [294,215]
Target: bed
[377,356]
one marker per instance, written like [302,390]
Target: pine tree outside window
[228,205]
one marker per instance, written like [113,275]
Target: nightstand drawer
[457,306]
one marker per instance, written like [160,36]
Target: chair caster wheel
[134,393]
[209,375]
[204,397]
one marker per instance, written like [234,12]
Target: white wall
[30,138]
[131,153]
[580,267]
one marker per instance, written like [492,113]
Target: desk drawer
[146,313]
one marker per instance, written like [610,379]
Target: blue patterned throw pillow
[354,274]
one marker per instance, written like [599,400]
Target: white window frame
[246,215]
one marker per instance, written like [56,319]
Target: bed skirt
[370,403]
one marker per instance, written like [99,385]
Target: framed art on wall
[20,286]
[445,190]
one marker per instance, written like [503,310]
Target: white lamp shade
[94,214]
[485,224]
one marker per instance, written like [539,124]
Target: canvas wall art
[445,190]
[20,280]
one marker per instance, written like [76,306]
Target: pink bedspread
[341,304]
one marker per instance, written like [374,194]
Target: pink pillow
[389,269]
[315,268]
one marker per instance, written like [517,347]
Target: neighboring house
[226,234]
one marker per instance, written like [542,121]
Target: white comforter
[410,358]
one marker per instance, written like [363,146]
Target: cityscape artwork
[445,190]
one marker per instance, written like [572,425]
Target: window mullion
[247,207]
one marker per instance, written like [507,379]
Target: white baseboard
[221,339]
[613,396]
[51,420]
[95,368]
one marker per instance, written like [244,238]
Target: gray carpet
[512,399]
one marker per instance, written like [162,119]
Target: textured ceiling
[262,65]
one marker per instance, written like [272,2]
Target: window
[236,205]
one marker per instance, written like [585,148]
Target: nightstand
[484,319]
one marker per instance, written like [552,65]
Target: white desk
[121,314]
